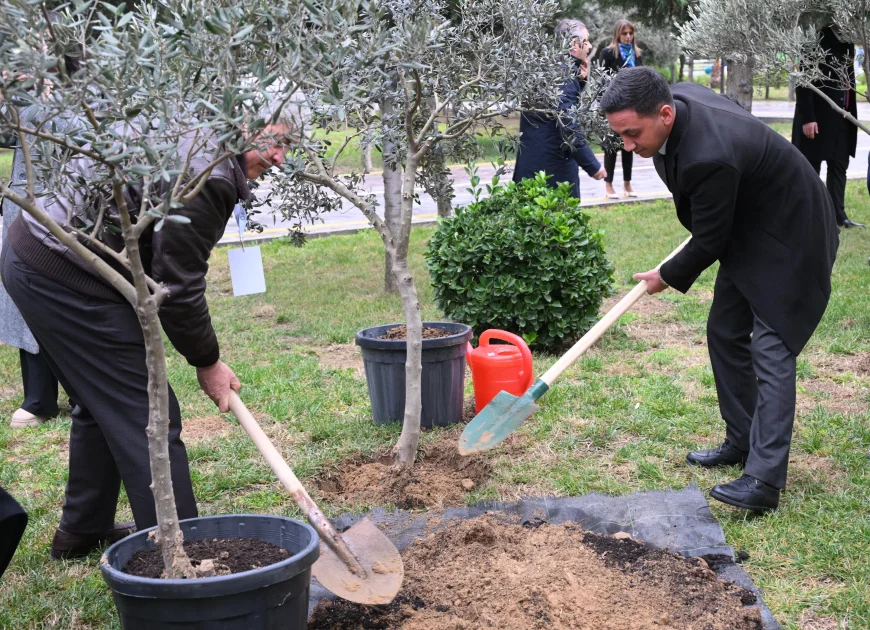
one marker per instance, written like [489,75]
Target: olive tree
[778,36]
[212,72]
[742,31]
[441,75]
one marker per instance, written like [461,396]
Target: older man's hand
[216,381]
[654,282]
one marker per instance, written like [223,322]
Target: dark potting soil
[484,573]
[401,332]
[237,554]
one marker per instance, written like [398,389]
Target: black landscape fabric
[678,520]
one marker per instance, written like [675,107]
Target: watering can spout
[499,367]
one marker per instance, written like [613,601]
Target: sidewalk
[645,182]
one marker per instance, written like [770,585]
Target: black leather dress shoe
[848,223]
[748,493]
[67,545]
[724,455]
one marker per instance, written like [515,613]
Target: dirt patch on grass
[664,334]
[482,573]
[202,428]
[841,398]
[833,365]
[263,311]
[648,306]
[338,356]
[440,479]
[811,620]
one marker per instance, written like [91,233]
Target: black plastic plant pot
[443,385]
[269,598]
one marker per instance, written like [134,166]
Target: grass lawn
[5,162]
[619,421]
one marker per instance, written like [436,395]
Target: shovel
[360,565]
[506,412]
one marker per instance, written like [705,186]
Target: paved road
[645,182]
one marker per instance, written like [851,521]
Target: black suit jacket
[810,107]
[754,203]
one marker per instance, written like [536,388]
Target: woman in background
[621,53]
[555,144]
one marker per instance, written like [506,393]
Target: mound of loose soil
[401,332]
[439,480]
[483,573]
[237,555]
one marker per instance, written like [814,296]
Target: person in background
[621,53]
[819,131]
[553,144]
[40,383]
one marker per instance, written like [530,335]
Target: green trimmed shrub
[524,259]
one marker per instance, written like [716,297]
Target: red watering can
[499,367]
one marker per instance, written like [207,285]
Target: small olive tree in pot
[201,71]
[436,74]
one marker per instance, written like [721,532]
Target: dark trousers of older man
[755,377]
[96,348]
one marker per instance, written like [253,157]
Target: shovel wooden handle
[597,331]
[285,474]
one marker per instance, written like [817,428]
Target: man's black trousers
[95,347]
[755,377]
[838,164]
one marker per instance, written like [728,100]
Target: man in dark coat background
[556,145]
[820,132]
[755,205]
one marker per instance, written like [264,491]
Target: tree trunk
[725,72]
[767,86]
[406,448]
[673,73]
[392,203]
[366,158]
[740,84]
[691,70]
[682,65]
[866,64]
[169,537]
[790,88]
[716,75]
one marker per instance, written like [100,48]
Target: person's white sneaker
[22,419]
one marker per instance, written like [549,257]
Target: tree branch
[64,142]
[341,150]
[119,282]
[839,109]
[434,115]
[28,160]
[322,178]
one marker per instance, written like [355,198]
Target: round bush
[524,259]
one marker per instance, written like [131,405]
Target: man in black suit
[755,205]
[823,134]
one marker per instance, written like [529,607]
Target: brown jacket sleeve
[180,254]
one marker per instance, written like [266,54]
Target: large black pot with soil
[269,597]
[443,379]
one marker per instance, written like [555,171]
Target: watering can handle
[514,340]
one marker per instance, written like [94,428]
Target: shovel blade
[377,555]
[496,421]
